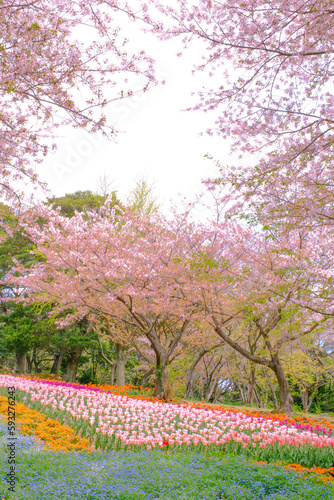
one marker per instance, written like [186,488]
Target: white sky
[158,139]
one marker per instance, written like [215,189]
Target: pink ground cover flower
[145,423]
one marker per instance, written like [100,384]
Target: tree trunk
[29,363]
[285,398]
[121,360]
[158,385]
[112,364]
[258,398]
[21,360]
[56,364]
[217,394]
[161,382]
[209,390]
[311,398]
[272,389]
[286,401]
[73,362]
[189,392]
[242,392]
[112,374]
[144,378]
[251,387]
[34,360]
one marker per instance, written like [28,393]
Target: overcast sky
[157,139]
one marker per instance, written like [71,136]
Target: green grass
[148,475]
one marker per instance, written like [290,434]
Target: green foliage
[80,201]
[25,328]
[141,197]
[297,408]
[14,244]
[18,246]
[87,377]
[324,399]
[177,380]
[205,264]
[132,364]
[22,329]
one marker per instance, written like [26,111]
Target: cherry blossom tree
[115,264]
[62,62]
[266,290]
[273,100]
[157,278]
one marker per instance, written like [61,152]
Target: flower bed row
[54,435]
[61,438]
[114,422]
[150,475]
[145,394]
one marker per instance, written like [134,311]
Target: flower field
[117,422]
[224,452]
[150,475]
[54,435]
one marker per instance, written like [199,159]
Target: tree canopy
[51,75]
